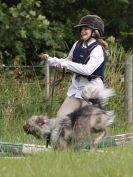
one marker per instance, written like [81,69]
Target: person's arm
[96,59]
[54,61]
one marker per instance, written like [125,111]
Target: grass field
[110,162]
[114,161]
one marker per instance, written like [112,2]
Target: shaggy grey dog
[76,127]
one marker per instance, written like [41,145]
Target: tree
[29,27]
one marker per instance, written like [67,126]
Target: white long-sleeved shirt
[77,85]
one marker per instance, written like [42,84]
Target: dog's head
[38,126]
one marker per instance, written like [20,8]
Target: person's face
[85,33]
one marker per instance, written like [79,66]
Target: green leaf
[124,1]
[23,33]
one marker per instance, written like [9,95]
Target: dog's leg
[98,139]
[90,141]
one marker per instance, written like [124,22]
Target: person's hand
[59,65]
[44,56]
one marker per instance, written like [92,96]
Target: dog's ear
[42,119]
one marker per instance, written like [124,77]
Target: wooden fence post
[129,88]
[47,81]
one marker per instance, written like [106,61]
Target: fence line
[129,88]
[54,100]
[39,66]
[47,79]
[47,84]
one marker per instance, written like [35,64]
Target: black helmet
[93,22]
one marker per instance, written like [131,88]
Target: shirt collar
[92,40]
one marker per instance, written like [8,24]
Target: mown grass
[111,162]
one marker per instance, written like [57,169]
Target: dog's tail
[98,96]
[103,120]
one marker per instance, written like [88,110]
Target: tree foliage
[29,27]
